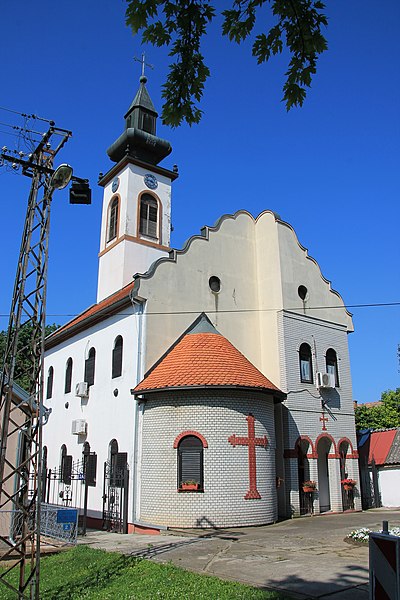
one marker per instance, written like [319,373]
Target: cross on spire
[251,441]
[144,63]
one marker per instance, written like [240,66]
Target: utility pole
[21,422]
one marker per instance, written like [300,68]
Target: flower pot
[348,487]
[190,487]
[308,489]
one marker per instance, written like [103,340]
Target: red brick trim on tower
[306,438]
[352,454]
[190,432]
[333,454]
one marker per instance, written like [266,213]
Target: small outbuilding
[380,467]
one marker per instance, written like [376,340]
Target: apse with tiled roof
[208,409]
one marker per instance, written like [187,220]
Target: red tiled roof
[380,445]
[91,312]
[204,358]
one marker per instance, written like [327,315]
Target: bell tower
[136,218]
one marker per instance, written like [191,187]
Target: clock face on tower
[150,181]
[115,184]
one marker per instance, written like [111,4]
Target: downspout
[139,306]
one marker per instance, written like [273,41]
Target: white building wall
[128,254]
[389,485]
[108,415]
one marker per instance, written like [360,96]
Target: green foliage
[24,347]
[181,24]
[381,416]
[85,573]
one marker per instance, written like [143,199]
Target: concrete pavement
[306,557]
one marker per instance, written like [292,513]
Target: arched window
[50,377]
[332,365]
[190,461]
[68,376]
[65,465]
[90,364]
[148,216]
[306,372]
[113,219]
[117,357]
[113,462]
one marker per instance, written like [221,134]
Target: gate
[347,498]
[67,485]
[115,493]
[306,503]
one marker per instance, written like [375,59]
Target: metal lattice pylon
[21,421]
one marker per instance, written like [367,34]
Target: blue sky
[330,169]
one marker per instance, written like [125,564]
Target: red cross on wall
[323,419]
[251,441]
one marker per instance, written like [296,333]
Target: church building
[208,386]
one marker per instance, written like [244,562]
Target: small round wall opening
[303,292]
[215,284]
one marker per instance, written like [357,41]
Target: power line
[27,116]
[239,310]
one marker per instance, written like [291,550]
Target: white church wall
[108,416]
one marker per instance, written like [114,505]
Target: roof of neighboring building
[381,446]
[202,357]
[393,456]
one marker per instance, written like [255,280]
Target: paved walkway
[306,558]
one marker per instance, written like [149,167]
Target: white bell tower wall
[124,248]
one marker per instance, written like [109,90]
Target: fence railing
[56,522]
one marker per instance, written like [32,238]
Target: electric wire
[228,311]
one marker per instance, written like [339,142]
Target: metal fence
[56,522]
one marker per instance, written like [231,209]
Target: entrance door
[115,493]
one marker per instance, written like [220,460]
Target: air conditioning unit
[325,380]
[82,389]
[78,427]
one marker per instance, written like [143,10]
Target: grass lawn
[85,573]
